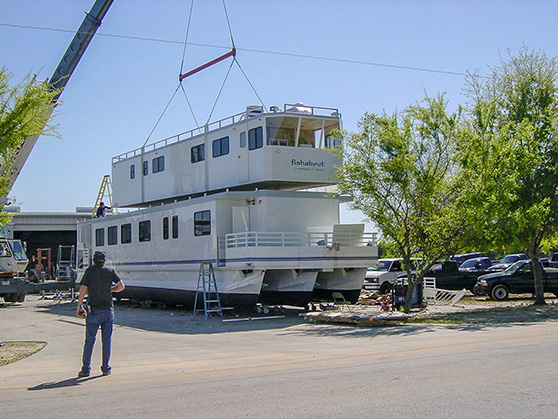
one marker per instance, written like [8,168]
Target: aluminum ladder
[208,286]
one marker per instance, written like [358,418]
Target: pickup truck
[450,277]
[517,279]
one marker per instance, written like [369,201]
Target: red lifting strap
[231,53]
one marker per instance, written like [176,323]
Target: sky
[354,55]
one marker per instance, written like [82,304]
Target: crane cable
[184,75]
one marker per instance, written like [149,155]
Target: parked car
[465,256]
[507,261]
[517,279]
[553,260]
[476,264]
[382,277]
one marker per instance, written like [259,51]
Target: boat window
[311,132]
[197,153]
[158,164]
[133,171]
[243,139]
[221,147]
[126,233]
[165,228]
[112,235]
[5,250]
[100,237]
[144,231]
[255,138]
[17,250]
[175,226]
[145,168]
[202,223]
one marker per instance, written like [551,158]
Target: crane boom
[59,79]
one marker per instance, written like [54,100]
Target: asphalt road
[167,365]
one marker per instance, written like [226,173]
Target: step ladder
[208,286]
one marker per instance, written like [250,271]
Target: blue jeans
[104,319]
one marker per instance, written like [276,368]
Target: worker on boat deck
[102,210]
[98,282]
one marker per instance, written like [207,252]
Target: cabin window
[165,228]
[144,231]
[175,226]
[197,153]
[112,235]
[133,171]
[255,138]
[158,164]
[145,168]
[5,250]
[243,139]
[100,237]
[202,223]
[221,147]
[126,233]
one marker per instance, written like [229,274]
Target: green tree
[25,110]
[401,172]
[514,116]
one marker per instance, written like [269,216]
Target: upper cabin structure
[281,150]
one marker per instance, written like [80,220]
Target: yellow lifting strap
[105,194]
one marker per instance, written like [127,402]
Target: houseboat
[239,193]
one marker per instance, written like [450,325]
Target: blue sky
[122,85]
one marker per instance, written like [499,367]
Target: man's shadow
[76,381]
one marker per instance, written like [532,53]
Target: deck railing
[286,239]
[211,126]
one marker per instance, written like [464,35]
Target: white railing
[434,295]
[286,239]
[229,120]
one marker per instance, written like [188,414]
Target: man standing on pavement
[98,282]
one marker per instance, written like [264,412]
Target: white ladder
[208,286]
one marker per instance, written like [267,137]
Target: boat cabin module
[281,149]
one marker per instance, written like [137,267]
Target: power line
[256,51]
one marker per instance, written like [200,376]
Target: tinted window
[165,228]
[158,164]
[197,153]
[126,233]
[144,231]
[221,147]
[175,226]
[202,223]
[145,168]
[112,235]
[255,138]
[100,237]
[132,171]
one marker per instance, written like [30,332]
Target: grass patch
[14,351]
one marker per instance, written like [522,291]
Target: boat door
[243,169]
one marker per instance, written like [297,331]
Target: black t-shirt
[99,280]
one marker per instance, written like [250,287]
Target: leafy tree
[401,172]
[25,110]
[514,116]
